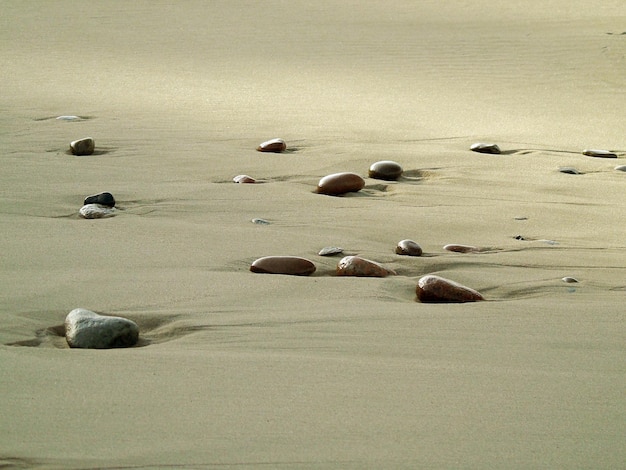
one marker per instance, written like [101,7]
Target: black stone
[104,199]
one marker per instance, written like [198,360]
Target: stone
[385,170]
[599,153]
[340,183]
[260,221]
[433,288]
[330,251]
[96,211]
[569,279]
[291,265]
[482,147]
[104,199]
[569,170]
[408,248]
[620,167]
[84,146]
[361,267]
[86,329]
[244,179]
[461,248]
[69,118]
[274,145]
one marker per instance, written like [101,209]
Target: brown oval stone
[408,248]
[244,179]
[599,153]
[274,145]
[84,146]
[340,183]
[361,267]
[385,170]
[461,248]
[291,265]
[481,147]
[433,288]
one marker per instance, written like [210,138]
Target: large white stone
[87,329]
[96,211]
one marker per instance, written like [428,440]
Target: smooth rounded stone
[86,329]
[461,248]
[340,183]
[104,199]
[599,153]
[291,265]
[569,280]
[569,170]
[361,267]
[274,145]
[244,179]
[260,221]
[330,251]
[408,248]
[96,211]
[433,288]
[482,147]
[69,118]
[385,170]
[84,146]
[620,167]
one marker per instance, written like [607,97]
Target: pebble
[361,267]
[84,146]
[485,148]
[433,288]
[244,179]
[461,248]
[599,153]
[69,118]
[104,199]
[86,329]
[292,265]
[260,221]
[385,170]
[569,170]
[96,211]
[274,145]
[408,248]
[330,251]
[340,183]
[569,280]
[620,167]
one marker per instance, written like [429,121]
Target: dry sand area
[242,370]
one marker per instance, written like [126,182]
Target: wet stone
[433,288]
[273,145]
[96,211]
[385,170]
[461,248]
[361,267]
[340,183]
[87,329]
[482,147]
[84,146]
[291,265]
[104,199]
[408,248]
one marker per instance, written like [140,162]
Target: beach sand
[245,370]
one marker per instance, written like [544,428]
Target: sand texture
[236,369]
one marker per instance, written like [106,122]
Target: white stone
[87,329]
[96,211]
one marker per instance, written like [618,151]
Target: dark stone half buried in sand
[291,265]
[361,267]
[84,146]
[244,179]
[569,170]
[433,288]
[599,153]
[408,248]
[104,199]
[274,145]
[482,147]
[96,211]
[86,329]
[385,170]
[461,248]
[340,183]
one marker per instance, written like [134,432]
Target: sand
[245,370]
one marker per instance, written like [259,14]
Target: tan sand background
[246,370]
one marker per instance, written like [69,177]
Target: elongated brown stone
[340,183]
[361,267]
[274,145]
[291,265]
[408,248]
[385,170]
[461,248]
[599,153]
[244,179]
[433,288]
[84,146]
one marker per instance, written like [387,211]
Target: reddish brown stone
[462,248]
[274,145]
[361,267]
[408,248]
[433,288]
[340,183]
[244,179]
[292,265]
[385,170]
